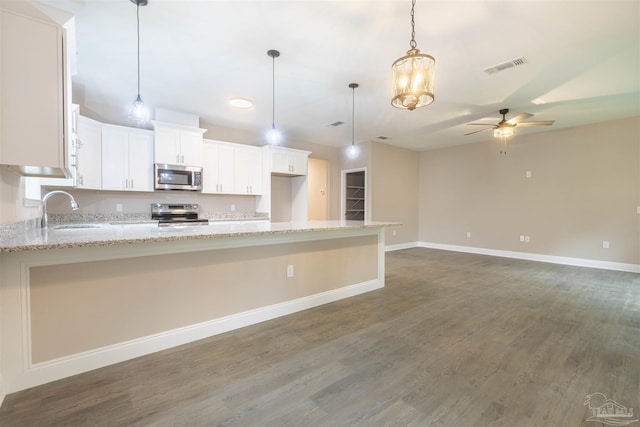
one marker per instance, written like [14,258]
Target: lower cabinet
[127,159]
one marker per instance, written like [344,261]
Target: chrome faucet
[44,222]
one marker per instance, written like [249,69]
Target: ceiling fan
[505,127]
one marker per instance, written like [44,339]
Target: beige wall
[87,305]
[12,208]
[394,184]
[584,189]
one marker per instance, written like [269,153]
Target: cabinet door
[190,148]
[115,159]
[141,162]
[167,146]
[210,168]
[226,169]
[89,155]
[33,91]
[248,171]
[280,161]
[298,162]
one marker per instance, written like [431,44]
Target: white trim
[580,262]
[400,246]
[44,372]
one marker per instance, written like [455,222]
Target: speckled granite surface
[108,234]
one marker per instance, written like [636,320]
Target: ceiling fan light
[504,132]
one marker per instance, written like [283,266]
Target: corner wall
[584,189]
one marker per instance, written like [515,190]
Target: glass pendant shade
[413,77]
[138,111]
[353,151]
[274,137]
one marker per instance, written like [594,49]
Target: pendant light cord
[273,93]
[138,27]
[353,115]
[413,26]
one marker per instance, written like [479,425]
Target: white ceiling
[583,63]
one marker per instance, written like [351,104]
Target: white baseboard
[400,246]
[52,370]
[580,262]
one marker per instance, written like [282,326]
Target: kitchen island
[85,296]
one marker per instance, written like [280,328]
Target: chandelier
[413,75]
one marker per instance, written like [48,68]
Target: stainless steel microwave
[178,177]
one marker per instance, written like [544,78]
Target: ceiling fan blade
[482,124]
[481,130]
[519,118]
[540,123]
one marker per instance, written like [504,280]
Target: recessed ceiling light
[240,103]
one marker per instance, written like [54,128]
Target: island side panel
[83,306]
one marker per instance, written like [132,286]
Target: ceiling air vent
[338,123]
[509,64]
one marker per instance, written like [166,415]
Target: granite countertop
[75,235]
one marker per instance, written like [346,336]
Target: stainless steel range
[176,214]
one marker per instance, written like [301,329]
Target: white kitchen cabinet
[35,89]
[248,170]
[89,154]
[127,159]
[178,145]
[287,161]
[218,172]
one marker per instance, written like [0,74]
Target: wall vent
[508,64]
[338,123]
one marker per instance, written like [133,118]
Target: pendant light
[138,111]
[353,151]
[273,135]
[413,75]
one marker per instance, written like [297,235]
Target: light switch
[528,174]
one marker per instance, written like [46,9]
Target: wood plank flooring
[452,340]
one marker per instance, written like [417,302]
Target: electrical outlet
[118,207]
[605,244]
[522,238]
[468,234]
[233,207]
[289,270]
[527,239]
[394,232]
[528,174]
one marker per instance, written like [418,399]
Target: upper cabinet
[35,89]
[177,144]
[218,167]
[287,161]
[231,168]
[127,159]
[248,170]
[88,154]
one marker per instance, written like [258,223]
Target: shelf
[355,187]
[356,199]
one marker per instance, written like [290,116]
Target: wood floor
[452,340]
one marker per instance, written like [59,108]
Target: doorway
[354,195]
[318,185]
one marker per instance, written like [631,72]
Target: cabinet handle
[182,158]
[131,184]
[177,158]
[81,180]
